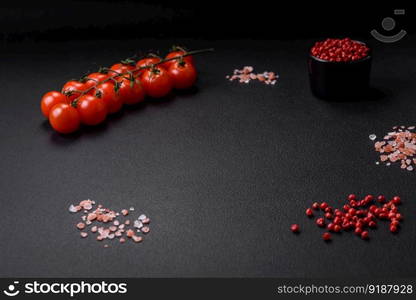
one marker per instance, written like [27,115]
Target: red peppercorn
[338,213]
[346,207]
[337,228]
[383,215]
[328,209]
[364,235]
[393,228]
[337,220]
[315,205]
[395,222]
[331,226]
[353,203]
[326,236]
[345,225]
[372,224]
[328,215]
[351,197]
[396,200]
[324,205]
[399,217]
[391,215]
[309,212]
[381,199]
[295,228]
[369,198]
[320,222]
[352,211]
[358,230]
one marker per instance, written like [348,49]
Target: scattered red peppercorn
[351,197]
[309,212]
[320,222]
[365,235]
[326,236]
[358,216]
[369,198]
[340,50]
[328,215]
[393,228]
[396,200]
[381,199]
[324,205]
[295,228]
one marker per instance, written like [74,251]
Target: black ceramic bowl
[339,80]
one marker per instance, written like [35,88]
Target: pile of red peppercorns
[340,50]
[356,215]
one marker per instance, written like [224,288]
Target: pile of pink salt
[108,224]
[398,146]
[247,74]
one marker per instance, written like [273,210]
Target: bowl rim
[343,62]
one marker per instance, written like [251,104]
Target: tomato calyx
[102,70]
[132,80]
[128,61]
[98,94]
[117,86]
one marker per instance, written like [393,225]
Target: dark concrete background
[222,170]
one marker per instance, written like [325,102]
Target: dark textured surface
[222,171]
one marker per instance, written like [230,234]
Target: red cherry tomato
[93,78]
[131,93]
[157,82]
[188,59]
[49,100]
[183,75]
[72,88]
[91,109]
[121,68]
[64,118]
[148,61]
[106,92]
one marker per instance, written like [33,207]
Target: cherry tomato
[93,78]
[122,68]
[49,100]
[183,75]
[131,93]
[64,118]
[147,61]
[91,109]
[106,92]
[188,59]
[71,87]
[157,82]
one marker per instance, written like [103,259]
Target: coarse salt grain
[81,225]
[137,239]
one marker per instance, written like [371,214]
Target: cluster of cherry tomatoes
[89,100]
